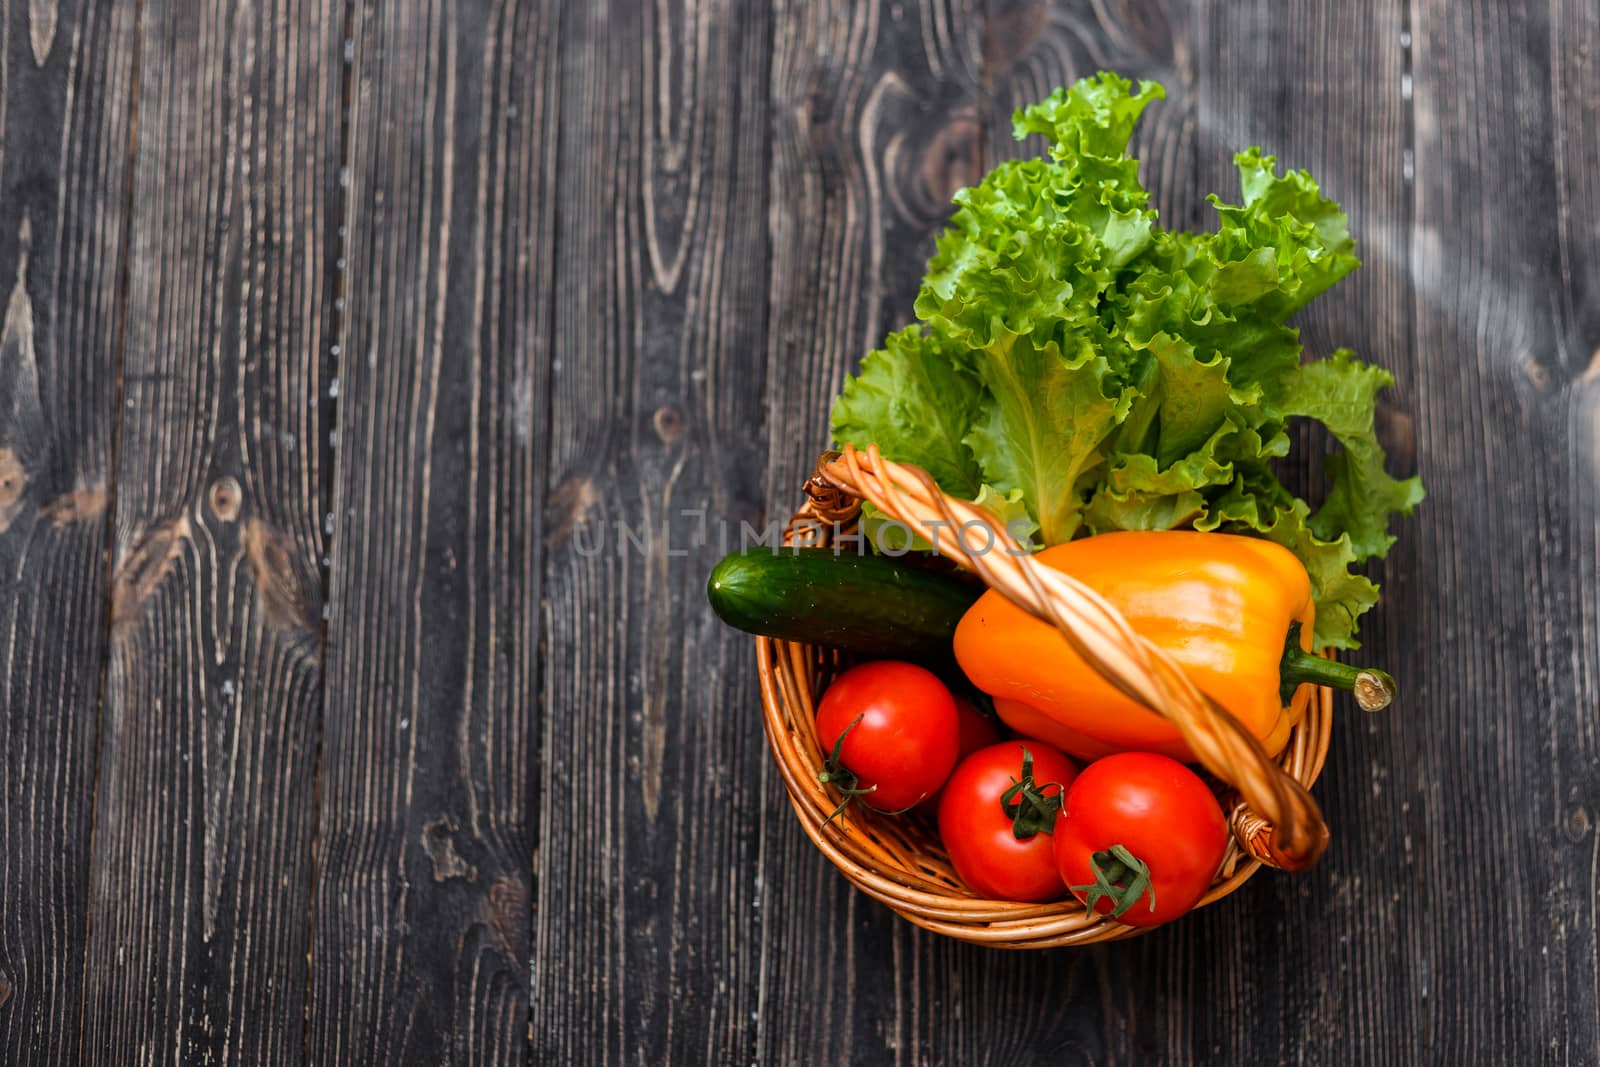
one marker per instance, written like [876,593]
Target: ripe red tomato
[977,731]
[1152,811]
[892,732]
[1006,855]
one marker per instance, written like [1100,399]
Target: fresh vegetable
[871,605]
[1235,612]
[1140,838]
[996,816]
[976,731]
[1078,364]
[892,733]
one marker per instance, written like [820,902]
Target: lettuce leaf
[1019,280]
[1078,364]
[1040,432]
[1341,393]
[1341,594]
[917,405]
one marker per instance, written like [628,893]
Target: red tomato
[977,731]
[1153,811]
[893,729]
[982,837]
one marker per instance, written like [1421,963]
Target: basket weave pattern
[899,860]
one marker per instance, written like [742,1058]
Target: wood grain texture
[1358,912]
[425,848]
[652,894]
[1502,266]
[875,125]
[205,813]
[584,278]
[64,146]
[1571,979]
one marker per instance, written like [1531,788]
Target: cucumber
[871,605]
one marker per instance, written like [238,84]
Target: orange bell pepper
[1235,612]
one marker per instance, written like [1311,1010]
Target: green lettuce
[1080,366]
[1340,392]
[917,405]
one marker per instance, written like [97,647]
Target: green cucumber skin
[870,605]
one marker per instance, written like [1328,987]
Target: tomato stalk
[1373,689]
[1031,807]
[1120,877]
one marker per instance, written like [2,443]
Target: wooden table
[334,336]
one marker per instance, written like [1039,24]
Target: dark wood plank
[875,125]
[855,983]
[1301,951]
[1153,999]
[66,74]
[1569,985]
[651,896]
[425,847]
[1503,253]
[877,122]
[204,819]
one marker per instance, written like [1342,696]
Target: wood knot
[1577,823]
[13,481]
[1398,432]
[1537,373]
[668,424]
[1011,32]
[570,505]
[12,478]
[439,842]
[292,600]
[146,565]
[951,160]
[82,504]
[225,498]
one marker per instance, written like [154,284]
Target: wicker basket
[899,860]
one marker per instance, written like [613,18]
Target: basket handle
[1285,827]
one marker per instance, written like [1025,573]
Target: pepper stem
[1373,689]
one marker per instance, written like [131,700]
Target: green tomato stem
[1031,807]
[1120,877]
